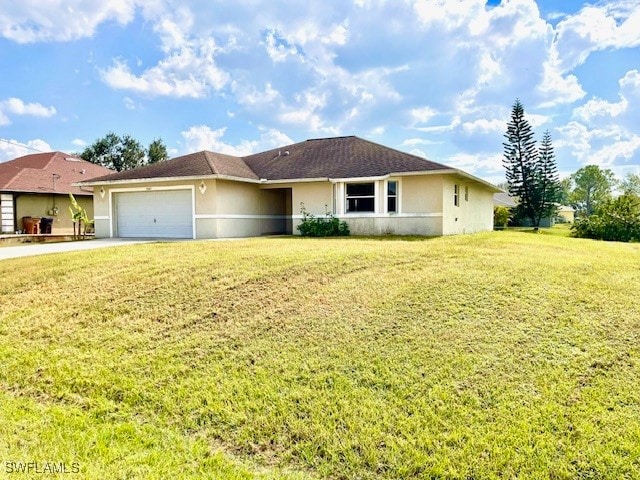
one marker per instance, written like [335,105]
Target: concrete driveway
[27,250]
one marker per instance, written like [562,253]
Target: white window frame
[347,197]
[386,196]
[456,195]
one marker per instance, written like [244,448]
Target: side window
[456,195]
[466,194]
[392,196]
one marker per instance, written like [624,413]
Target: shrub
[327,226]
[616,220]
[501,216]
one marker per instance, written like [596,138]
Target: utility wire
[20,145]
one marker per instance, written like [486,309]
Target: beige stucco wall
[470,216]
[35,205]
[237,209]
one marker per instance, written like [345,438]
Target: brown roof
[340,157]
[41,172]
[200,164]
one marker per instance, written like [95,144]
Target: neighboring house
[565,214]
[38,185]
[503,199]
[375,189]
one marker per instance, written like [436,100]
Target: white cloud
[599,146]
[421,115]
[598,107]
[10,149]
[18,107]
[189,69]
[29,21]
[484,126]
[15,106]
[557,89]
[78,142]
[202,137]
[609,25]
[476,162]
[248,95]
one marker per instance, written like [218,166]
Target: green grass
[498,355]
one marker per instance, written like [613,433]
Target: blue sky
[433,77]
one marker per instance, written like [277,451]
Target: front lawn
[497,355]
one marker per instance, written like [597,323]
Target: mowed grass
[497,355]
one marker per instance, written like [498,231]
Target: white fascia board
[450,171]
[359,179]
[293,180]
[478,180]
[166,179]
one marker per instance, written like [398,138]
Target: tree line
[123,152]
[532,178]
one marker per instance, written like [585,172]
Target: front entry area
[154,214]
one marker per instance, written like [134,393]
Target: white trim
[348,216]
[102,217]
[168,179]
[397,195]
[293,180]
[230,216]
[358,179]
[155,189]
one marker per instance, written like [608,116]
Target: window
[361,197]
[392,196]
[466,194]
[456,195]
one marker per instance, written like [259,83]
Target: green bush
[327,226]
[501,216]
[616,220]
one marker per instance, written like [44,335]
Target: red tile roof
[52,172]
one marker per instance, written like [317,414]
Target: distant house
[564,214]
[375,189]
[38,186]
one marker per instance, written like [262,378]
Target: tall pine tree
[532,175]
[547,189]
[520,156]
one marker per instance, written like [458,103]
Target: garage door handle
[154,220]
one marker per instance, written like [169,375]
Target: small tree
[592,188]
[501,216]
[79,217]
[157,151]
[115,152]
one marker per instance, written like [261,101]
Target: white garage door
[154,214]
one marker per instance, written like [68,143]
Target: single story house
[38,185]
[375,189]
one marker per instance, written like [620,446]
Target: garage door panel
[160,214]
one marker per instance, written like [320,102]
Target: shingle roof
[340,157]
[41,172]
[199,164]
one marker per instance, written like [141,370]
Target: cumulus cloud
[203,137]
[16,106]
[10,148]
[29,21]
[596,27]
